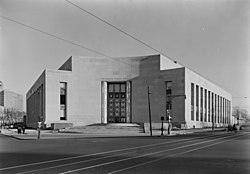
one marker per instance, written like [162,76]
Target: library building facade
[99,90]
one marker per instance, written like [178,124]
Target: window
[216,107]
[169,87]
[192,101]
[63,100]
[209,107]
[169,105]
[42,100]
[224,109]
[201,104]
[226,113]
[212,107]
[197,103]
[219,109]
[229,112]
[205,109]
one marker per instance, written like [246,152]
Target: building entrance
[116,102]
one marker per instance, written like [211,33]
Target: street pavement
[50,134]
[207,152]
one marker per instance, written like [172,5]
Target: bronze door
[116,102]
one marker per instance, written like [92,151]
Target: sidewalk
[49,134]
[33,134]
[190,131]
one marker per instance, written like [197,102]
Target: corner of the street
[51,134]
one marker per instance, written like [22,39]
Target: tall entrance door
[116,102]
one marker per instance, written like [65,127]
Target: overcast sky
[208,36]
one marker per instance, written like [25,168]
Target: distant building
[240,116]
[1,86]
[87,90]
[11,106]
[11,100]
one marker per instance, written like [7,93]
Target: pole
[169,127]
[149,113]
[162,118]
[12,131]
[38,136]
[39,129]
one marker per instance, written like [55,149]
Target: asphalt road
[217,152]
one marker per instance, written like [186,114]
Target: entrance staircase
[112,129]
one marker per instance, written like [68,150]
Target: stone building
[88,90]
[10,99]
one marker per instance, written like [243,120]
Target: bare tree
[2,116]
[10,116]
[241,115]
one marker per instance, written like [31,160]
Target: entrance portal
[116,102]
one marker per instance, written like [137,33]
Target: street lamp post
[39,129]
[149,113]
[12,132]
[162,118]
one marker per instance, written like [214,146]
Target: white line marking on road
[68,164]
[94,154]
[125,159]
[177,154]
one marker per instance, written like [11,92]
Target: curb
[65,135]
[11,136]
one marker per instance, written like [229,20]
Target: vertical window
[169,87]
[205,109]
[225,116]
[227,112]
[209,107]
[219,108]
[224,109]
[39,103]
[192,101]
[201,104]
[215,108]
[212,107]
[169,105]
[42,105]
[63,94]
[226,106]
[197,103]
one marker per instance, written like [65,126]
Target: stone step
[107,128]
